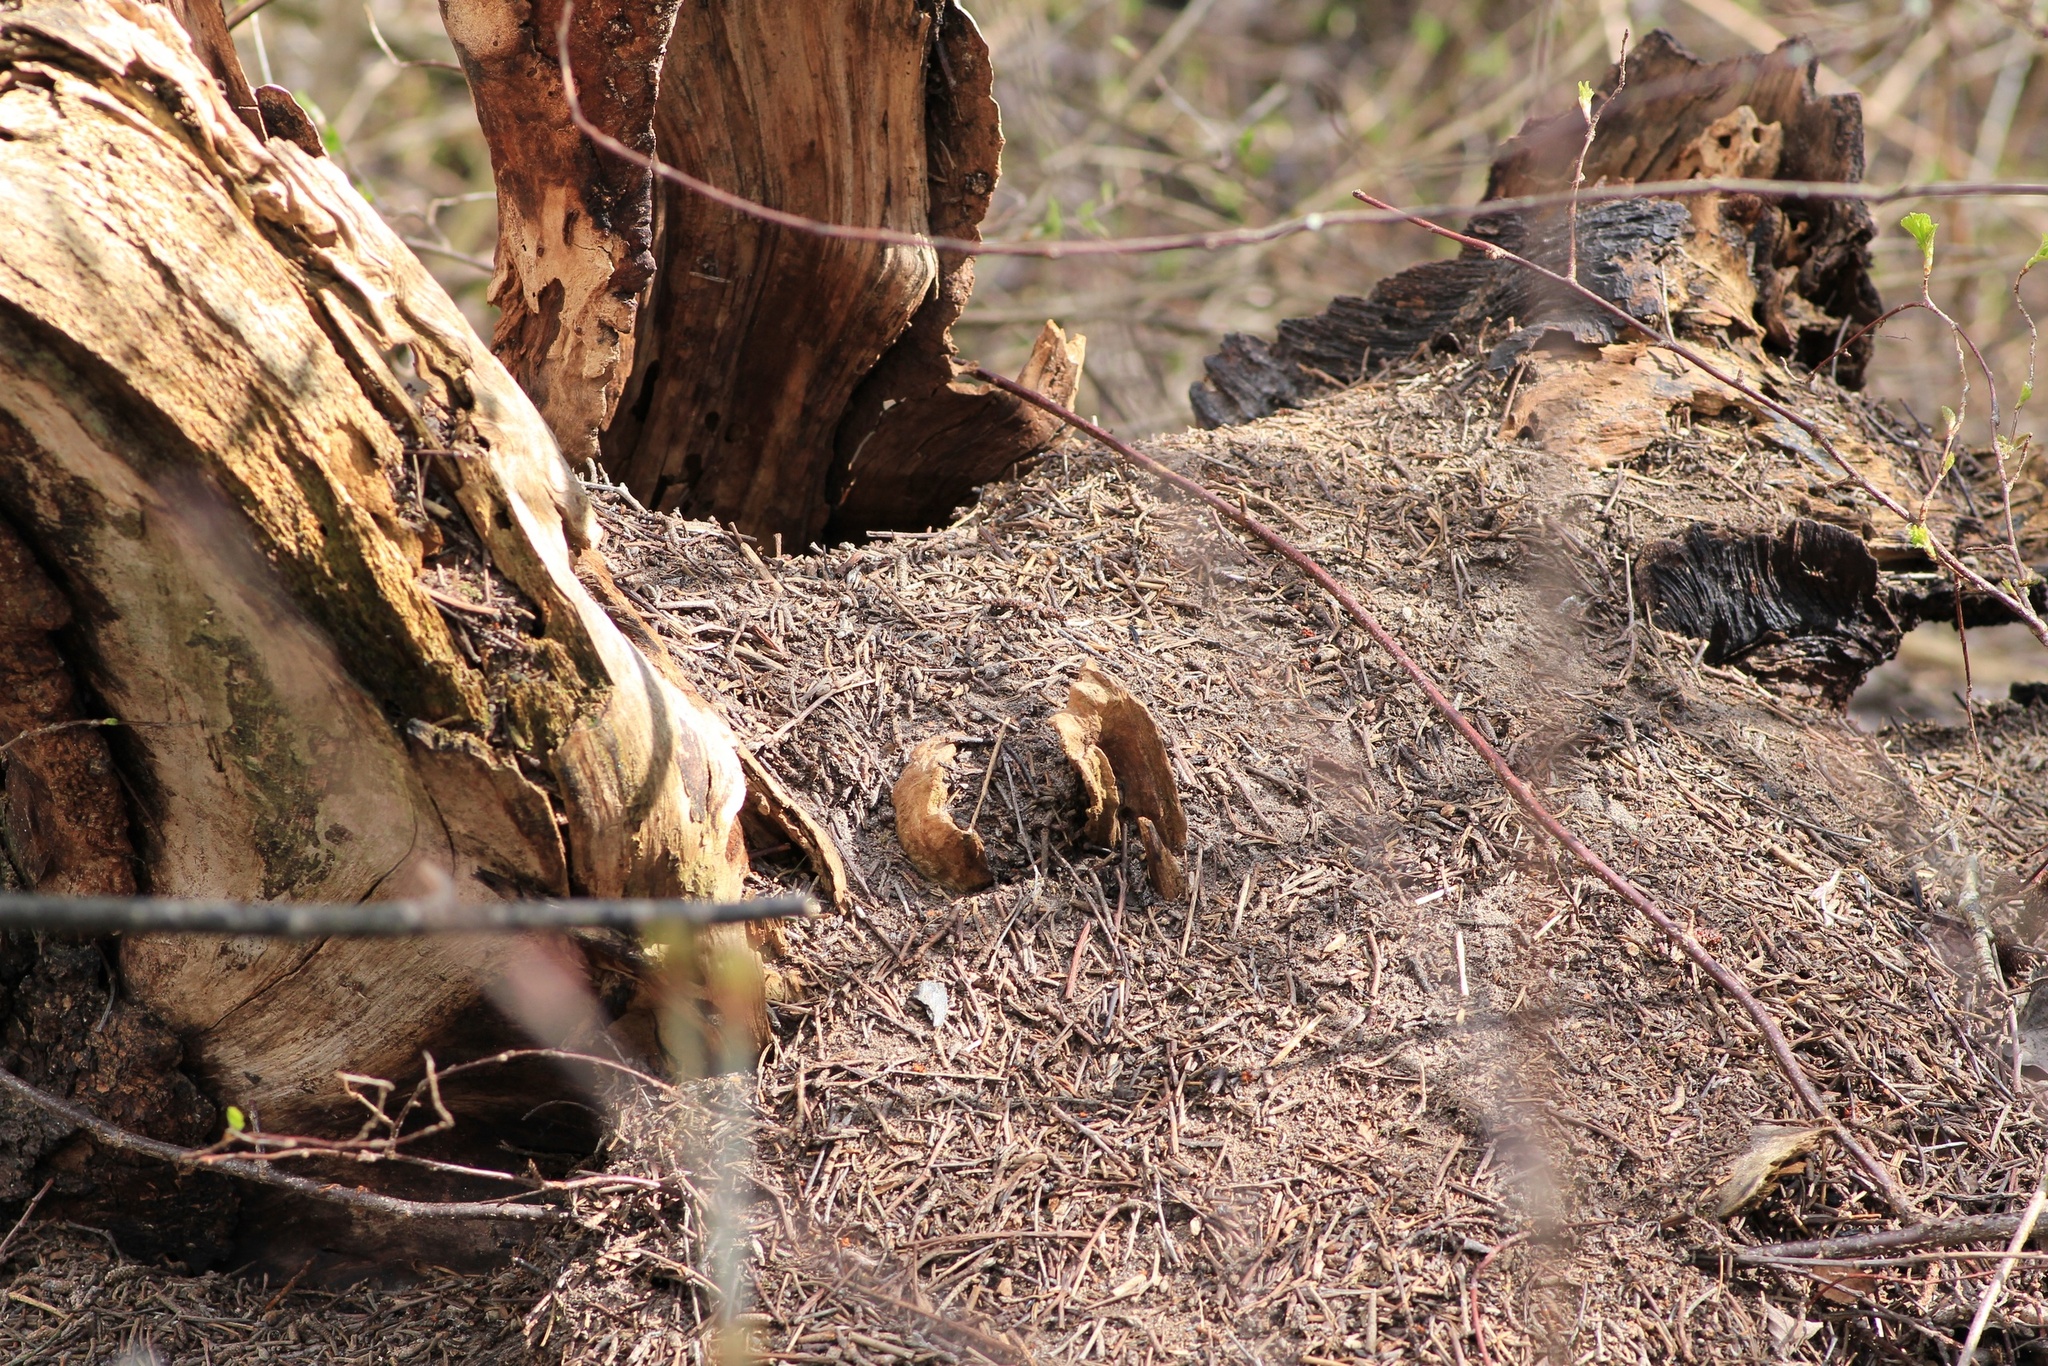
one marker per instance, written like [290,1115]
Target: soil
[1399,1084]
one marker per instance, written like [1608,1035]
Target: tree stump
[796,386]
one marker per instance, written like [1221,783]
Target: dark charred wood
[1808,259]
[1806,249]
[1801,608]
[1930,598]
[1451,306]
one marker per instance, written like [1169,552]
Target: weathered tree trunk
[267,502]
[798,386]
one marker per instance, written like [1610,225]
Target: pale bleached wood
[215,354]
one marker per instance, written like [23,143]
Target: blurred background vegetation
[1126,117]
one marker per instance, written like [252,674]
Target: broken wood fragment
[1800,607]
[935,845]
[1116,750]
[1100,797]
[1162,866]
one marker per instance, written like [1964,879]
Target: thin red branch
[1478,1315]
[7,1243]
[1524,795]
[262,1174]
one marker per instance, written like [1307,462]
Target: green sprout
[1586,99]
[1917,537]
[1052,224]
[1921,227]
[237,1121]
[2040,255]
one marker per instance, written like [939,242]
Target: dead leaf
[940,849]
[934,997]
[1772,1148]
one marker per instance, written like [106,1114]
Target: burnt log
[1792,273]
[1801,607]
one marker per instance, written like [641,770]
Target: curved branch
[265,1175]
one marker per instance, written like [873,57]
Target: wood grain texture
[212,420]
[757,335]
[800,386]
[917,439]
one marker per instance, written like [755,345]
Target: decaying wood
[1792,274]
[575,225]
[1100,799]
[918,436]
[1801,607]
[1122,764]
[63,819]
[931,838]
[922,435]
[1118,725]
[769,366]
[320,551]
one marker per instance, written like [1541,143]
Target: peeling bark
[575,224]
[934,842]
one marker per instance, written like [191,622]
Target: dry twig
[263,1174]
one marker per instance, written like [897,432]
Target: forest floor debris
[1401,1085]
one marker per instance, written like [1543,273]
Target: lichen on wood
[319,549]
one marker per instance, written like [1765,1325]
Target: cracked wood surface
[234,398]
